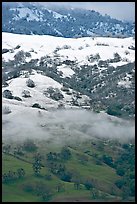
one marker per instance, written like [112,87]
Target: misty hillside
[32,18]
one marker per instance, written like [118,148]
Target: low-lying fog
[63,125]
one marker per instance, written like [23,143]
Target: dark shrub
[26,94]
[17,98]
[120,183]
[88,185]
[36,105]
[7,94]
[30,83]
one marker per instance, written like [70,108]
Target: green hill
[74,173]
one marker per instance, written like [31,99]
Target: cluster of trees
[125,168]
[60,170]
[88,183]
[12,176]
[115,109]
[116,58]
[21,56]
[92,58]
[57,168]
[64,154]
[37,165]
[27,146]
[100,91]
[108,160]
[8,94]
[54,93]
[53,164]
[25,93]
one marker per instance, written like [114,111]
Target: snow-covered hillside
[91,72]
[38,93]
[69,48]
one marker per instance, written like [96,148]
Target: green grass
[103,175]
[12,163]
[12,193]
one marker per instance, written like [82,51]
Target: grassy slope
[13,192]
[103,174]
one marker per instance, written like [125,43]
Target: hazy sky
[119,10]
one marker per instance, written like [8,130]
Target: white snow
[45,45]
[58,32]
[125,84]
[116,64]
[89,32]
[66,70]
[42,82]
[125,81]
[26,12]
[56,15]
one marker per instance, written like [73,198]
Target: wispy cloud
[64,126]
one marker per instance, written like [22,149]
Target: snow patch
[67,72]
[26,13]
[125,84]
